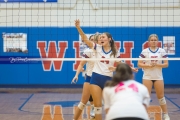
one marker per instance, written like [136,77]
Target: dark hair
[113,46]
[90,36]
[123,73]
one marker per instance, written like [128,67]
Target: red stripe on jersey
[165,56]
[142,55]
[84,55]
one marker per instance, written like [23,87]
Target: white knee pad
[98,110]
[162,101]
[81,106]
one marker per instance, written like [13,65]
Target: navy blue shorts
[99,80]
[88,78]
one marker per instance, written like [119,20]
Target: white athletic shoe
[92,114]
[166,117]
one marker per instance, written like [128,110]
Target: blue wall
[34,73]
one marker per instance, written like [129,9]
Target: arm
[112,68]
[75,79]
[142,65]
[165,64]
[83,35]
[106,110]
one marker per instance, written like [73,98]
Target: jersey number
[154,61]
[106,61]
[121,87]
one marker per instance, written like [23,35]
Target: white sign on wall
[15,42]
[169,44]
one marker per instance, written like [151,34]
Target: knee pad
[162,101]
[98,110]
[81,106]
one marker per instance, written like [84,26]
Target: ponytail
[112,44]
[113,48]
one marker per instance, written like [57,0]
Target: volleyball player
[124,98]
[86,90]
[101,72]
[153,71]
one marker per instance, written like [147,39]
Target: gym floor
[49,105]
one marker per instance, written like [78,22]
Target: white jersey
[101,66]
[154,73]
[127,99]
[88,53]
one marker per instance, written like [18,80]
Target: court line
[173,102]
[20,108]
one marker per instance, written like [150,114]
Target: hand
[153,64]
[74,81]
[112,69]
[77,23]
[134,69]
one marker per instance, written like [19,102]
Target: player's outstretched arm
[81,65]
[83,35]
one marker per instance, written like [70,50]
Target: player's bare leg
[159,87]
[96,93]
[84,100]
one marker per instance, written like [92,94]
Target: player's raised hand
[74,80]
[77,23]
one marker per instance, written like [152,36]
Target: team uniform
[101,73]
[126,100]
[154,73]
[89,64]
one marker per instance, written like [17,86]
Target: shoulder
[161,50]
[145,50]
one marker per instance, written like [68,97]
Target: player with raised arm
[101,72]
[86,89]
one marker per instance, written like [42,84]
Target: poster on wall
[169,44]
[15,42]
